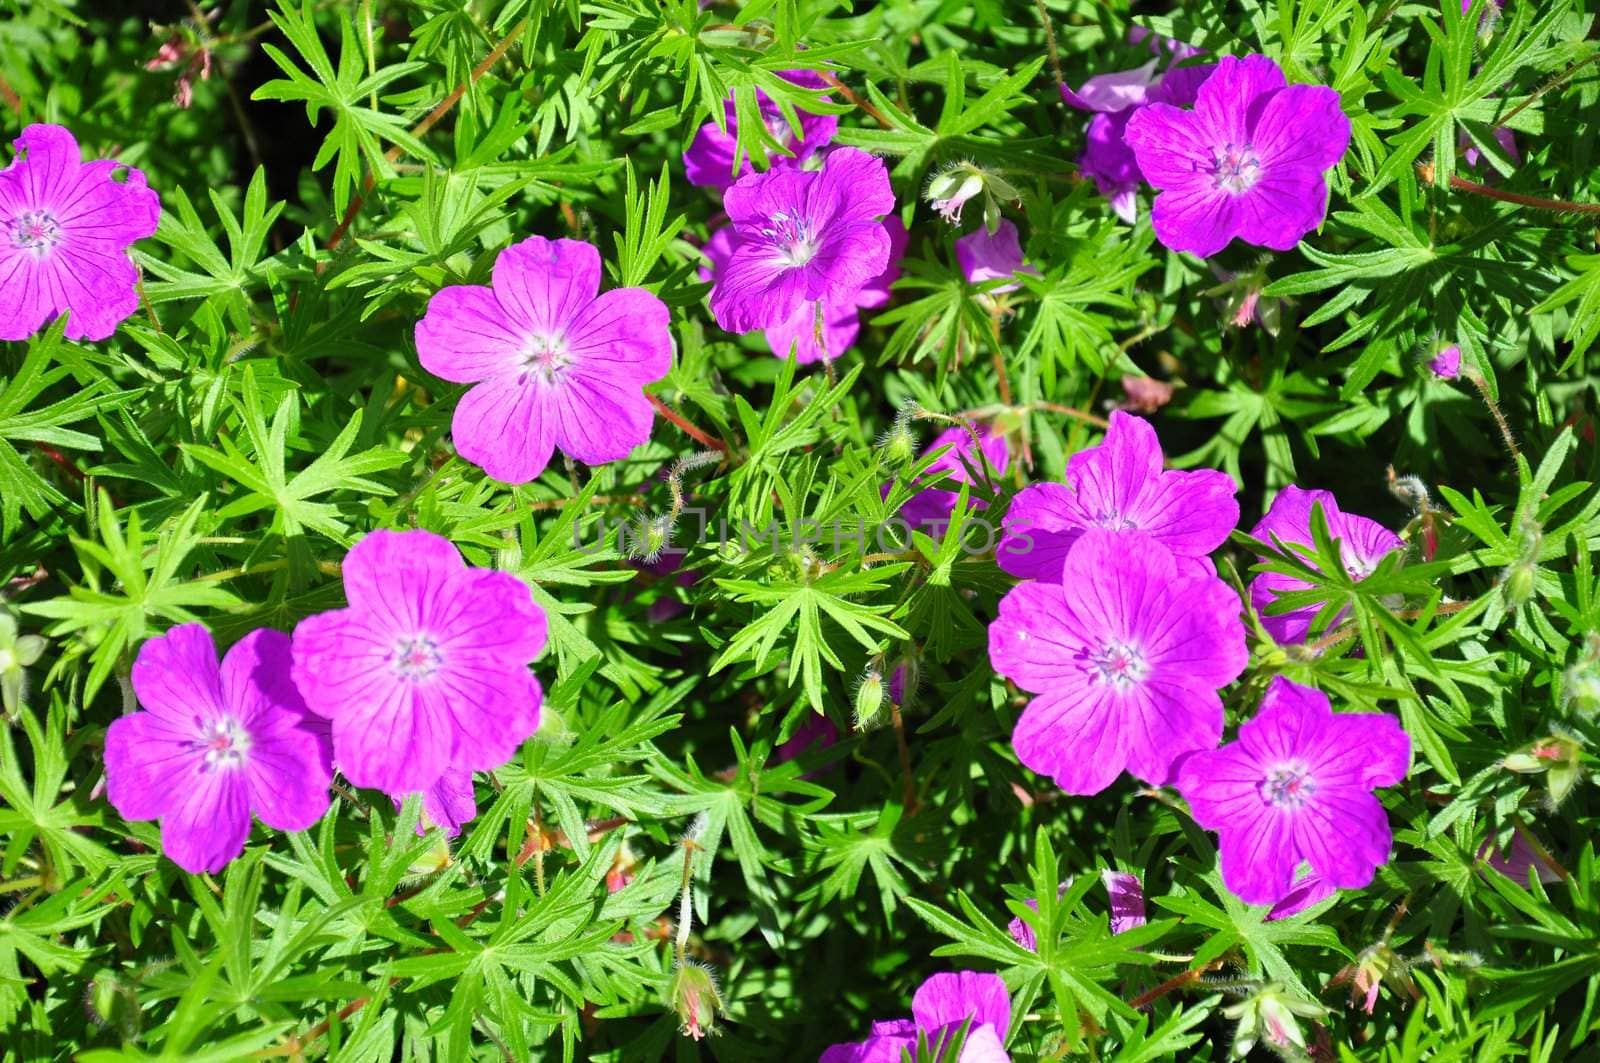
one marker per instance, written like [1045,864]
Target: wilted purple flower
[1518,860]
[65,228]
[427,669]
[556,364]
[841,321]
[985,256]
[803,235]
[1120,485]
[448,804]
[1446,365]
[178,53]
[709,160]
[214,744]
[1362,544]
[1248,161]
[934,505]
[940,1007]
[1297,786]
[1124,658]
[1144,394]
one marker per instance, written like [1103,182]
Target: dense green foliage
[215,459]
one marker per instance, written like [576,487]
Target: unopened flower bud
[869,699]
[651,536]
[16,654]
[692,993]
[1581,684]
[433,859]
[1518,581]
[899,443]
[1446,365]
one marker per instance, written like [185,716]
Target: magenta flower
[427,669]
[1362,544]
[1117,91]
[940,1007]
[1502,136]
[1124,656]
[1446,365]
[1247,162]
[1297,787]
[1127,899]
[448,804]
[803,235]
[841,321]
[1107,158]
[933,506]
[1109,161]
[709,160]
[555,363]
[817,732]
[1120,485]
[985,256]
[65,229]
[1125,892]
[1158,44]
[215,744]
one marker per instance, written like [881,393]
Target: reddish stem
[701,437]
[444,107]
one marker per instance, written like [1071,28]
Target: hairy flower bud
[693,994]
[1518,581]
[869,699]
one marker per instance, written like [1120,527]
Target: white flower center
[1120,664]
[795,243]
[1288,785]
[1236,169]
[545,357]
[36,231]
[225,742]
[1113,520]
[416,658]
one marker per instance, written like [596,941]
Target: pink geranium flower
[427,669]
[933,506]
[984,256]
[1121,485]
[841,320]
[1297,788]
[1124,656]
[65,229]
[1363,543]
[1247,161]
[556,364]
[709,160]
[215,744]
[803,236]
[940,1007]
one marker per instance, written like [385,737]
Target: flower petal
[543,284]
[466,335]
[176,676]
